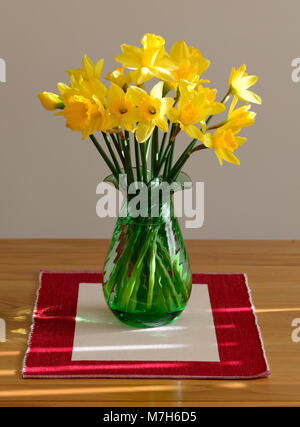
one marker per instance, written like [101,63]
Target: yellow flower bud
[50,101]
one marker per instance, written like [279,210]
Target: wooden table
[273,269]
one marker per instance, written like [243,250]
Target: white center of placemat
[100,336]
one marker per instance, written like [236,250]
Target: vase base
[146,320]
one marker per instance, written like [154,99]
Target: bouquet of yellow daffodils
[131,118]
[147,278]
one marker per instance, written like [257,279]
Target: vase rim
[182,182]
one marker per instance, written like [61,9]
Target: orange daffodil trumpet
[126,106]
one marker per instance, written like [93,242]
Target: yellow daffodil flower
[50,101]
[210,94]
[151,110]
[85,81]
[224,142]
[239,82]
[122,107]
[149,61]
[239,118]
[192,109]
[81,114]
[86,115]
[191,64]
[88,71]
[117,76]
[85,104]
[88,106]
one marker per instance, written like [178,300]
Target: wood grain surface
[273,269]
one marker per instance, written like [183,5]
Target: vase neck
[148,207]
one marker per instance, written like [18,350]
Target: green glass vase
[146,277]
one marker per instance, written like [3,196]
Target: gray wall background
[48,176]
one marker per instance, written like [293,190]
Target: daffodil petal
[98,67]
[240,140]
[88,67]
[228,156]
[231,76]
[166,105]
[217,108]
[136,94]
[131,56]
[156,91]
[144,130]
[247,82]
[114,92]
[249,96]
[140,76]
[218,152]
[63,88]
[233,104]
[240,72]
[173,115]
[162,123]
[193,132]
[129,124]
[179,51]
[162,73]
[207,141]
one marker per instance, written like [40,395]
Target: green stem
[226,97]
[166,164]
[122,145]
[147,146]
[165,156]
[137,159]
[171,155]
[168,280]
[181,161]
[119,149]
[162,146]
[154,151]
[122,266]
[126,149]
[161,300]
[113,156]
[171,265]
[125,300]
[152,273]
[144,161]
[104,155]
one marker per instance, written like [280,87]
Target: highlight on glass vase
[150,100]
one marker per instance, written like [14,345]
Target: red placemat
[221,339]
